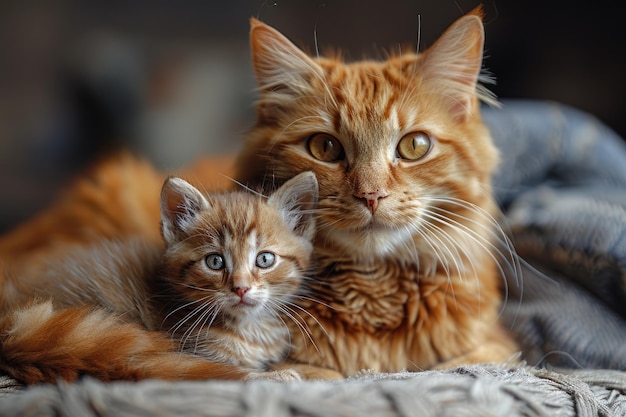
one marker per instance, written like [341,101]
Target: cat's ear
[279,65]
[297,200]
[180,204]
[453,63]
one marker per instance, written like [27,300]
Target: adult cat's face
[398,146]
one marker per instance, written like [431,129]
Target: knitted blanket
[562,189]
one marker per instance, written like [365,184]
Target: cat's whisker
[447,244]
[457,252]
[427,238]
[438,248]
[419,34]
[511,260]
[272,308]
[205,310]
[493,229]
[242,185]
[300,296]
[453,245]
[194,311]
[282,132]
[410,247]
[488,246]
[194,287]
[409,92]
[317,71]
[289,311]
[206,326]
[304,297]
[182,306]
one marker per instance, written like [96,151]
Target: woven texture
[467,391]
[562,188]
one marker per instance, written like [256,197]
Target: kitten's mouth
[245,304]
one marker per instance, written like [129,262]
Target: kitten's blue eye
[414,146]
[325,148]
[214,261]
[265,259]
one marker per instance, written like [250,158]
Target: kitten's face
[237,254]
[396,145]
[234,258]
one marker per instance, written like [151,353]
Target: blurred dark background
[172,79]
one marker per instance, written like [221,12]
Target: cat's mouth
[373,226]
[244,304]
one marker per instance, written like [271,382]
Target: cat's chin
[373,242]
[243,312]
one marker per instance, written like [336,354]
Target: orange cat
[407,267]
[407,258]
[220,292]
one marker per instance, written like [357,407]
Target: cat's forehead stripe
[370,89]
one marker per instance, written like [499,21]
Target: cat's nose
[372,199]
[241,291]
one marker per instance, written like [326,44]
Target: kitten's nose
[372,199]
[241,291]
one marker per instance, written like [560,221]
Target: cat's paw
[282,375]
[363,373]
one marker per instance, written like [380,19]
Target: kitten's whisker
[303,297]
[204,302]
[206,310]
[300,322]
[182,306]
[193,287]
[208,327]
[275,313]
[286,302]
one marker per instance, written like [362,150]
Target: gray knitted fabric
[468,391]
[562,188]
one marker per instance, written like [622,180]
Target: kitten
[407,266]
[219,290]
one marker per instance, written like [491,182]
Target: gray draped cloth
[562,186]
[562,189]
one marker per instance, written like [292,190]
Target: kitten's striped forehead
[241,245]
[236,214]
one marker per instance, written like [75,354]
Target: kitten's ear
[452,64]
[297,201]
[180,204]
[279,65]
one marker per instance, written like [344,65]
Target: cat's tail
[39,344]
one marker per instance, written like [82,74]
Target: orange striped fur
[407,259]
[132,308]
[407,268]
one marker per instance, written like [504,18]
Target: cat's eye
[215,261]
[265,259]
[325,147]
[414,146]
